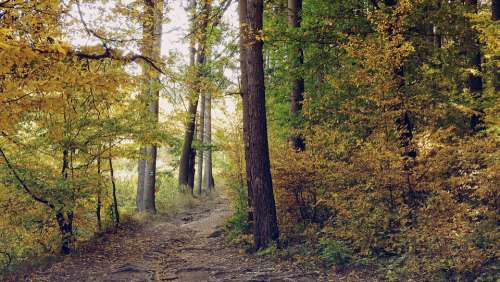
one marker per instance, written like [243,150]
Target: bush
[335,253]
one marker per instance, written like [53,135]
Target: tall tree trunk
[265,227]
[153,26]
[296,62]
[474,80]
[201,137]
[495,10]
[208,177]
[203,46]
[65,219]
[141,171]
[242,9]
[186,166]
[99,202]
[495,16]
[116,213]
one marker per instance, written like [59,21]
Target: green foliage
[335,253]
[392,168]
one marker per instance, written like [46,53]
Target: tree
[201,141]
[243,44]
[296,62]
[474,81]
[495,10]
[152,30]
[208,182]
[265,228]
[188,154]
[204,47]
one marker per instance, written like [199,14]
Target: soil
[188,246]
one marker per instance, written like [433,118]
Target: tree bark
[141,171]
[201,73]
[495,16]
[208,177]
[296,61]
[113,187]
[65,223]
[153,26]
[186,164]
[474,80]
[242,9]
[495,10]
[99,202]
[265,227]
[201,137]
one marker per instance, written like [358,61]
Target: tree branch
[108,52]
[22,183]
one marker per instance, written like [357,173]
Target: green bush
[335,253]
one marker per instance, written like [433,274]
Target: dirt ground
[188,247]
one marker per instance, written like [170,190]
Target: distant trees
[205,20]
[204,48]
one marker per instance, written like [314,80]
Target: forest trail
[188,247]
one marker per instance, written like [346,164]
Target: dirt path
[186,247]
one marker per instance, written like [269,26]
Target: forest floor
[187,246]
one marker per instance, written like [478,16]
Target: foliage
[392,173]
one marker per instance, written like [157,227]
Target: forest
[249,140]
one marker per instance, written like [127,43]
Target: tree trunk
[113,187]
[65,220]
[153,26]
[201,136]
[141,171]
[495,10]
[201,73]
[208,177]
[495,16]
[99,202]
[242,4]
[186,166]
[192,160]
[265,227]
[296,62]
[65,224]
[474,80]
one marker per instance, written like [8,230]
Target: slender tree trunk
[65,219]
[65,223]
[113,187]
[296,62]
[153,11]
[495,10]
[201,150]
[242,9]
[474,80]
[192,160]
[141,171]
[186,166]
[204,18]
[99,202]
[208,177]
[495,16]
[265,227]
